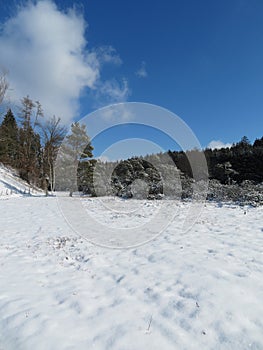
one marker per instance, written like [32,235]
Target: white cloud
[107,54]
[141,72]
[116,91]
[45,52]
[116,113]
[218,144]
[111,91]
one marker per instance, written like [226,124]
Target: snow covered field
[199,290]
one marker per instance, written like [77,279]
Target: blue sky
[200,59]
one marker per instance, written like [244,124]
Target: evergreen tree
[85,176]
[9,140]
[75,149]
[245,141]
[258,143]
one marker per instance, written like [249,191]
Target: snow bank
[12,186]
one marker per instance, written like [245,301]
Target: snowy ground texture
[200,290]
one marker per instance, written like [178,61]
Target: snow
[200,289]
[12,186]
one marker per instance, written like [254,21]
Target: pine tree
[258,143]
[245,140]
[9,140]
[75,148]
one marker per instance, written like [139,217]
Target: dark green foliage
[29,160]
[148,177]
[244,162]
[229,165]
[9,140]
[235,173]
[29,147]
[258,143]
[127,171]
[153,176]
[85,176]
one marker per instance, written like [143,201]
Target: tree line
[30,143]
[234,173]
[243,161]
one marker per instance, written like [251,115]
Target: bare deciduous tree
[53,134]
[29,138]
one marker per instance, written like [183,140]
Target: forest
[234,173]
[29,143]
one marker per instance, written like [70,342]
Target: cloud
[46,54]
[107,54]
[111,91]
[116,113]
[117,92]
[218,144]
[141,72]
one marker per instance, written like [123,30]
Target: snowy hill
[12,186]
